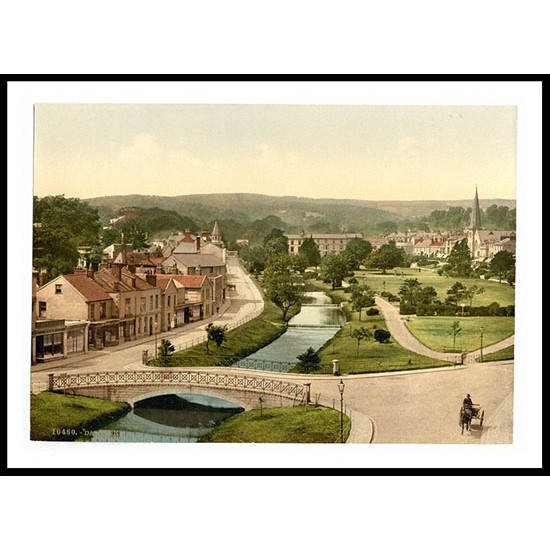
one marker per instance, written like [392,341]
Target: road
[407,407]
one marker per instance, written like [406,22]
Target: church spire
[476,213]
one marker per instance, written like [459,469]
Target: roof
[136,258]
[195,260]
[326,236]
[88,287]
[188,281]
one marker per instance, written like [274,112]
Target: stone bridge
[246,391]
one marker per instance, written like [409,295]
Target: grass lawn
[373,356]
[302,424]
[58,417]
[502,293]
[435,332]
[502,355]
[242,341]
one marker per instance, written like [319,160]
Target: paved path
[401,334]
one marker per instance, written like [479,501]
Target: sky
[377,152]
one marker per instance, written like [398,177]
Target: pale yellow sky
[343,151]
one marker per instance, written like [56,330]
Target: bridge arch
[232,397]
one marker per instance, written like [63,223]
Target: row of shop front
[59,339]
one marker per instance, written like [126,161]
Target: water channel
[318,321]
[176,418]
[188,417]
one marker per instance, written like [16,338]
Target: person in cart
[468,403]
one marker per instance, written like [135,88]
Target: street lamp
[481,342]
[341,387]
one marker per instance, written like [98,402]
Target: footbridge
[247,391]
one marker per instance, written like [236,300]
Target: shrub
[382,336]
[352,281]
[406,309]
[372,311]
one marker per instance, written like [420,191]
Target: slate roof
[188,281]
[195,260]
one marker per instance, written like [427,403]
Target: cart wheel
[481,419]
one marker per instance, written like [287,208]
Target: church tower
[476,222]
[216,235]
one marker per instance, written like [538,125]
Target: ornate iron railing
[283,388]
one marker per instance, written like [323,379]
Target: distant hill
[298,212]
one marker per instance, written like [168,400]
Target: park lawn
[301,424]
[502,293]
[501,355]
[242,341]
[373,356]
[436,332]
[58,417]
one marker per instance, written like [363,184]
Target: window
[58,289]
[169,300]
[92,312]
[102,310]
[42,309]
[143,304]
[150,302]
[157,301]
[127,306]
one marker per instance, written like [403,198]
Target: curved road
[404,407]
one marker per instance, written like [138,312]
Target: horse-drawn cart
[468,414]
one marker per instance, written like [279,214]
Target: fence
[62,382]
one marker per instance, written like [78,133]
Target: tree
[459,263]
[165,349]
[361,297]
[359,334]
[309,361]
[310,251]
[472,292]
[502,263]
[382,336]
[216,334]
[333,269]
[455,329]
[61,226]
[282,292]
[387,256]
[457,293]
[275,243]
[135,232]
[253,259]
[409,291]
[277,264]
[427,295]
[357,251]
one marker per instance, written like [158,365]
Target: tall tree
[457,293]
[310,251]
[333,269]
[165,350]
[409,291]
[283,292]
[388,256]
[362,296]
[357,250]
[502,263]
[459,263]
[61,227]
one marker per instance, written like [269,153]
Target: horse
[465,419]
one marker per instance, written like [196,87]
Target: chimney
[90,273]
[158,269]
[174,270]
[116,271]
[42,278]
[198,242]
[151,279]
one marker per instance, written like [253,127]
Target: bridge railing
[283,388]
